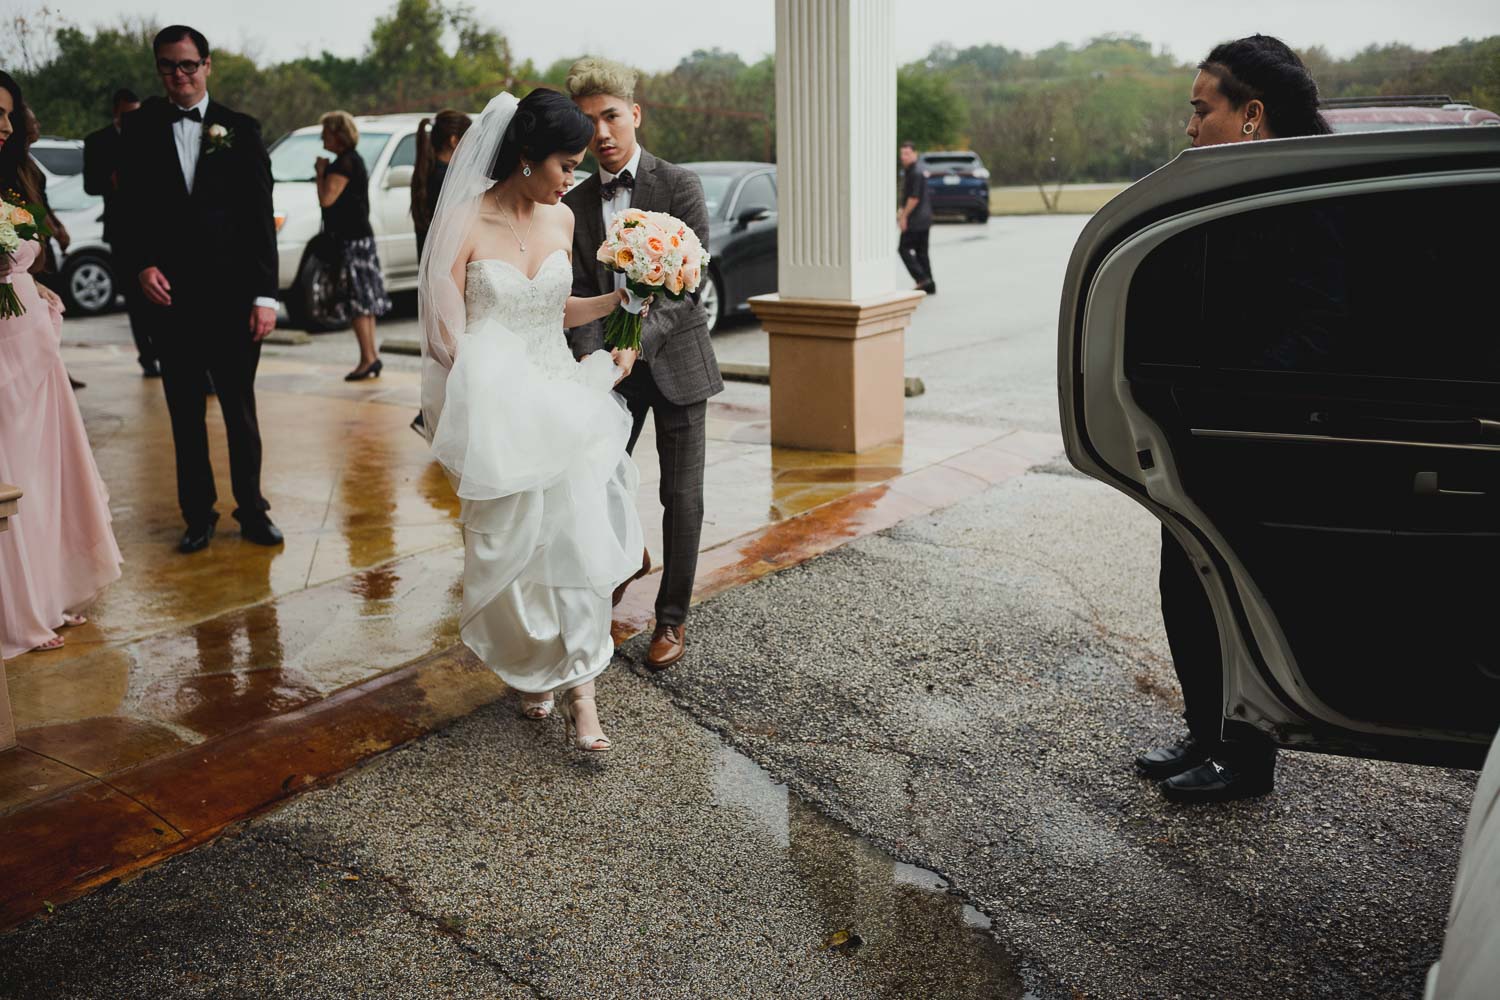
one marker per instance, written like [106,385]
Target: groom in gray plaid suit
[677,371]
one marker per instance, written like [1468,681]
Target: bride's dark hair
[545,122]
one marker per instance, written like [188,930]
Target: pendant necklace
[506,217]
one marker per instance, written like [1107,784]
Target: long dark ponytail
[433,134]
[1265,69]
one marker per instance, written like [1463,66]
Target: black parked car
[957,182]
[742,234]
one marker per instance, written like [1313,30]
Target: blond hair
[592,75]
[341,124]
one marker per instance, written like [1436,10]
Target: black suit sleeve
[98,165]
[666,317]
[140,182]
[588,338]
[261,227]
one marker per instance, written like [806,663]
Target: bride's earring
[526,170]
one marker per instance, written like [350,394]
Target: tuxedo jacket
[216,244]
[101,161]
[674,340]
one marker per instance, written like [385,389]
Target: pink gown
[60,551]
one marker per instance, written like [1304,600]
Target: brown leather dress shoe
[619,593]
[668,643]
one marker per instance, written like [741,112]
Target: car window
[1392,285]
[942,160]
[293,156]
[59,159]
[406,152]
[758,192]
[715,190]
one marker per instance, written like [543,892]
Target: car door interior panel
[1327,373]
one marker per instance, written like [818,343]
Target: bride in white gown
[533,441]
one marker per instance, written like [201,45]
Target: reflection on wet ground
[185,651]
[899,922]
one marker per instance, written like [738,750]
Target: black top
[915,186]
[348,218]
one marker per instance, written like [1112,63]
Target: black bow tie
[622,180]
[192,113]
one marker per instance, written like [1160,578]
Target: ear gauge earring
[526,171]
[1248,128]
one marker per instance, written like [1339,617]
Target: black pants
[145,316]
[1194,640]
[222,348]
[914,254]
[681,444]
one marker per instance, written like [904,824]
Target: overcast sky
[545,30]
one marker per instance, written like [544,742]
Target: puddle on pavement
[898,921]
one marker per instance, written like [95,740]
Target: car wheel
[88,285]
[712,300]
[308,310]
[982,217]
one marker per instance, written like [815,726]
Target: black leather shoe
[1212,781]
[196,538]
[262,532]
[1165,762]
[150,369]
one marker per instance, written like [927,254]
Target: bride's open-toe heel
[588,744]
[536,708]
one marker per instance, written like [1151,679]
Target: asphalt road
[899,770]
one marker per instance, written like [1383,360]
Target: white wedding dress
[548,491]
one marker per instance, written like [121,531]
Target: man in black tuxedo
[197,186]
[101,177]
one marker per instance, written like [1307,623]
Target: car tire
[302,306]
[712,300]
[88,285]
[983,218]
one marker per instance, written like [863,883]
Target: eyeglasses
[166,67]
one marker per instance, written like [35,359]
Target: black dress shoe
[262,532]
[150,369]
[196,538]
[1165,762]
[373,371]
[1212,781]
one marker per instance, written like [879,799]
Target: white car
[86,273]
[1285,351]
[388,145]
[58,158]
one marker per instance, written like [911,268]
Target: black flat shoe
[1215,782]
[150,369]
[363,373]
[262,532]
[1166,762]
[418,424]
[196,538]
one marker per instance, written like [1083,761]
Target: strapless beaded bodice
[531,308]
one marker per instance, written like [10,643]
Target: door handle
[1426,485]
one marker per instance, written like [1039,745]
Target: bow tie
[622,180]
[191,113]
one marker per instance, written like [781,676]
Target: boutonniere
[217,137]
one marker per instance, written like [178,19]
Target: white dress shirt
[188,135]
[621,201]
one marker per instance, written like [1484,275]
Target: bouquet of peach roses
[18,222]
[658,255]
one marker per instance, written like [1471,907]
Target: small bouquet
[658,255]
[18,222]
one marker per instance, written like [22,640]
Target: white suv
[388,145]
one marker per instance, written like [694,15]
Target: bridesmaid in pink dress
[60,551]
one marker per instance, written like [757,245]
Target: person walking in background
[101,177]
[437,138]
[198,182]
[1250,89]
[33,184]
[914,219]
[344,194]
[677,371]
[61,552]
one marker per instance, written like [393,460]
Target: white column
[836,148]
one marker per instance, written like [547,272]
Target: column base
[838,369]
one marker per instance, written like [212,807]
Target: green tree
[929,111]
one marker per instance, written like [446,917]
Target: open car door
[1289,351]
